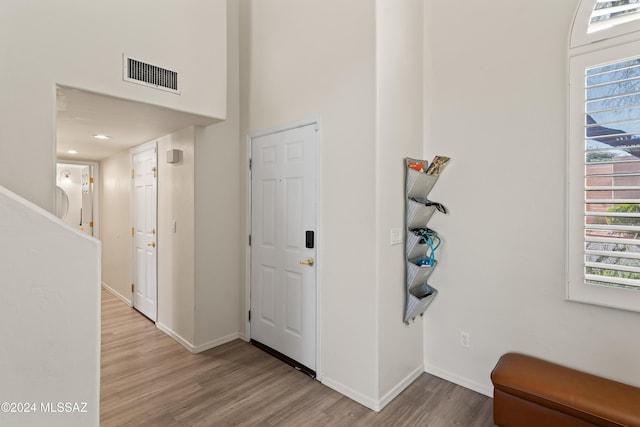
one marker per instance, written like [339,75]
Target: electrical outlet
[465,339]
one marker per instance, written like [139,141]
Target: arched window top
[598,20]
[607,14]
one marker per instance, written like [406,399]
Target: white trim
[215,343]
[144,147]
[117,295]
[352,394]
[182,341]
[313,120]
[289,126]
[247,293]
[400,387]
[379,404]
[487,390]
[195,349]
[319,248]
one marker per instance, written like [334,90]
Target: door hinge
[91,224]
[91,180]
[132,288]
[133,173]
[250,163]
[249,239]
[132,232]
[249,315]
[155,171]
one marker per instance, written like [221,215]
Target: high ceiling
[82,114]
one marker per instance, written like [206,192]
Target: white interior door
[86,213]
[144,231]
[283,246]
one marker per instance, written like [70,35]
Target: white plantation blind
[607,14]
[612,174]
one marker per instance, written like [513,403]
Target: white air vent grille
[136,71]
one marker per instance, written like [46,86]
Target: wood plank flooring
[150,380]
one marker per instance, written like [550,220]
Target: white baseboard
[400,387]
[374,404]
[351,394]
[118,295]
[197,348]
[487,390]
[183,342]
[215,343]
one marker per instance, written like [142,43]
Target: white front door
[283,243]
[144,231]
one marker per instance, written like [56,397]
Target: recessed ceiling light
[72,152]
[101,136]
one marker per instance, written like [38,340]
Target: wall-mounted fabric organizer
[420,241]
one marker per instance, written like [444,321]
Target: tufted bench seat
[532,392]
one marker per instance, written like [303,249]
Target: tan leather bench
[532,392]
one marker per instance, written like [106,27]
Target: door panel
[284,204]
[86,213]
[294,301]
[145,236]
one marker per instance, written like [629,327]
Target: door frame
[132,152]
[319,221]
[96,190]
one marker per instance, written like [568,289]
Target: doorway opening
[77,196]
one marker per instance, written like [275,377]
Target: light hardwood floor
[150,380]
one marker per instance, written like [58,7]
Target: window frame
[587,50]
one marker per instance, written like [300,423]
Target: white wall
[176,256]
[307,58]
[50,316]
[358,68]
[496,101]
[399,135]
[80,44]
[115,226]
[199,266]
[218,172]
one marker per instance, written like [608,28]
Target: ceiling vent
[136,71]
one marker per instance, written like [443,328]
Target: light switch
[396,236]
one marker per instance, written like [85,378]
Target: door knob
[152,244]
[307,262]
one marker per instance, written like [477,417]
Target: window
[604,161]
[612,174]
[607,14]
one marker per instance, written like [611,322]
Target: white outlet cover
[396,236]
[465,339]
